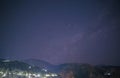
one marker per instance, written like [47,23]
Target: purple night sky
[61,31]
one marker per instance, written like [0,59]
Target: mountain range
[79,70]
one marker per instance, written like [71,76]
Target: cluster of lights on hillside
[25,74]
[28,75]
[20,73]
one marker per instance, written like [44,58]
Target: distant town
[33,68]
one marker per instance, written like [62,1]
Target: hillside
[34,67]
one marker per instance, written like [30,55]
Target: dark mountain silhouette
[1,60]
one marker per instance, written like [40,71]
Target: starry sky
[61,31]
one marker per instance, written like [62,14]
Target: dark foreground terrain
[39,69]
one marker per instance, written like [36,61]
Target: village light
[4,75]
[53,75]
[38,75]
[47,75]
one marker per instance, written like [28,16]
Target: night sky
[61,31]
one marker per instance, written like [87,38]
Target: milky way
[61,31]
